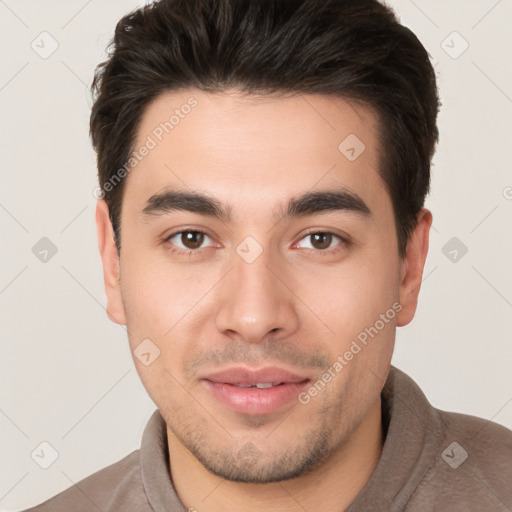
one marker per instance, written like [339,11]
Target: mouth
[255,392]
[259,385]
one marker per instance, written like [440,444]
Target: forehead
[264,147]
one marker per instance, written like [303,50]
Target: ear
[412,265]
[110,259]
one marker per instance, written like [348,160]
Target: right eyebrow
[172,200]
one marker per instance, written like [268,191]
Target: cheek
[169,305]
[158,294]
[156,299]
[351,296]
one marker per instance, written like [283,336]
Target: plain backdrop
[67,377]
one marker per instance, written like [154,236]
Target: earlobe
[110,260]
[411,271]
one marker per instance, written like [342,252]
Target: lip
[246,375]
[255,401]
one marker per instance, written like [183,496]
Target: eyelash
[344,242]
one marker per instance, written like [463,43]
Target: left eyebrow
[340,199]
[309,203]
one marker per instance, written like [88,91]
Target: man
[263,167]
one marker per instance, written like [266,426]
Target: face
[259,276]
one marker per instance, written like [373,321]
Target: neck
[333,486]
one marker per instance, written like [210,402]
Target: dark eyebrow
[306,204]
[175,200]
[324,201]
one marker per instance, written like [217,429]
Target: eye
[188,240]
[322,241]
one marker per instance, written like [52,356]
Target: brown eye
[188,240]
[322,241]
[192,239]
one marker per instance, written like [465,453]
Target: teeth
[259,385]
[263,385]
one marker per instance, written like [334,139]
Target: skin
[297,306]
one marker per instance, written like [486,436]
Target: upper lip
[244,375]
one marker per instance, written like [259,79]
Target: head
[263,167]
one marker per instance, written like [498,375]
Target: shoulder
[485,446]
[483,437]
[473,466]
[115,487]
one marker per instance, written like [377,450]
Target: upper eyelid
[322,231]
[181,231]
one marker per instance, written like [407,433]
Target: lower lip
[254,400]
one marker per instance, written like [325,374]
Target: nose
[255,301]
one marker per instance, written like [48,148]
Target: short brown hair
[354,49]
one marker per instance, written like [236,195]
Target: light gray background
[67,377]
